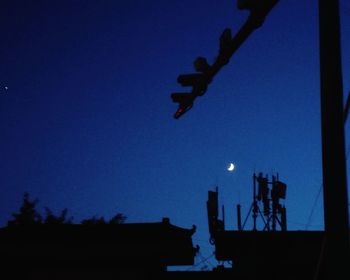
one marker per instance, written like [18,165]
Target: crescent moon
[231,167]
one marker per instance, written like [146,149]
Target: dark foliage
[51,219]
[28,215]
[117,219]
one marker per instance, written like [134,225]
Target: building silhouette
[45,251]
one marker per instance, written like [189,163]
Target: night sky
[86,118]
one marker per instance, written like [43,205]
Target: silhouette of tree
[27,215]
[119,218]
[52,219]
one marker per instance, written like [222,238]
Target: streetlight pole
[335,261]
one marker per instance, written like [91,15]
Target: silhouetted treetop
[28,215]
[52,219]
[119,218]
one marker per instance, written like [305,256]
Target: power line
[204,260]
[313,207]
[319,192]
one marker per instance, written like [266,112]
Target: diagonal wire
[313,207]
[204,260]
[319,192]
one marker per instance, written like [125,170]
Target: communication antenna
[214,223]
[266,194]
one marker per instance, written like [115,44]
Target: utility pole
[335,260]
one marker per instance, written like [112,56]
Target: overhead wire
[346,111]
[204,260]
[313,207]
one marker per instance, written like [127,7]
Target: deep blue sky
[86,122]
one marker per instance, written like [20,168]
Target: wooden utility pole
[335,259]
